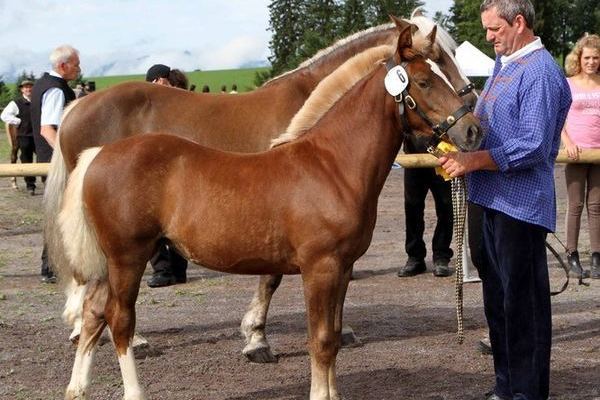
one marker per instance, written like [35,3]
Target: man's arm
[53,102]
[48,132]
[9,114]
[458,164]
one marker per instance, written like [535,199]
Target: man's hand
[458,164]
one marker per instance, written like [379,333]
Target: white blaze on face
[438,72]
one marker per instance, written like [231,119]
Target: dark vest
[42,85]
[24,106]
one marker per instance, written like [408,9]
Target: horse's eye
[423,84]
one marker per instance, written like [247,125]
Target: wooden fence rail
[405,160]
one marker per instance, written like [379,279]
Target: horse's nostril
[473,133]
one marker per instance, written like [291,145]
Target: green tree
[352,17]
[285,21]
[321,21]
[378,11]
[5,95]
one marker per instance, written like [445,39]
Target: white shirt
[53,104]
[9,114]
[531,47]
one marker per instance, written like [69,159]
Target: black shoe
[493,396]
[180,278]
[441,269]
[413,267]
[162,279]
[48,277]
[576,269]
[31,191]
[595,265]
[485,347]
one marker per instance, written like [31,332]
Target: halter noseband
[439,130]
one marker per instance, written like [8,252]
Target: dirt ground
[407,327]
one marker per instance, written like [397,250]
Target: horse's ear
[405,39]
[431,36]
[400,23]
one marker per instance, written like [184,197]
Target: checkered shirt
[522,110]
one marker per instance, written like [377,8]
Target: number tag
[396,80]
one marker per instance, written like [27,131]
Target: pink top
[583,121]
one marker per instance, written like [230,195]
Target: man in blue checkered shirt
[522,110]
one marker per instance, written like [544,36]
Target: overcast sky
[128,36]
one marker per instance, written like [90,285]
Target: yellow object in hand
[441,149]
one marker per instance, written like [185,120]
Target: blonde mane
[330,89]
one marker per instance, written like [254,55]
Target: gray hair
[62,54]
[509,9]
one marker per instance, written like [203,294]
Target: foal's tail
[81,246]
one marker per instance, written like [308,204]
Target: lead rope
[459,208]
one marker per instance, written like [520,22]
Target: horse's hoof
[260,355]
[74,394]
[74,338]
[139,342]
[349,339]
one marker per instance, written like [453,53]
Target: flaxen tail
[79,238]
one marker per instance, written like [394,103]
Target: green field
[244,78]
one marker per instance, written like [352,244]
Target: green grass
[244,78]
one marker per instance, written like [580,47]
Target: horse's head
[441,49]
[427,104]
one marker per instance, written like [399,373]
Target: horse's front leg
[339,311]
[323,287]
[93,324]
[253,324]
[120,314]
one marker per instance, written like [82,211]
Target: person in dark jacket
[51,94]
[417,183]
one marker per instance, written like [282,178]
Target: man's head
[508,24]
[25,87]
[158,73]
[65,62]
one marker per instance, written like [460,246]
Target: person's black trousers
[417,182]
[516,295]
[26,149]
[168,261]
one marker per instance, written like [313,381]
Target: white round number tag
[396,80]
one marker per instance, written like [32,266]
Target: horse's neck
[359,133]
[320,68]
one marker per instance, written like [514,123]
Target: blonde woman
[582,131]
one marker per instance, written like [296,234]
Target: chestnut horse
[310,202]
[244,123]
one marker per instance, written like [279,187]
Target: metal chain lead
[459,208]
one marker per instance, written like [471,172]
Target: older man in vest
[51,93]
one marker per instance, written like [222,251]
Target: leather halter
[439,130]
[466,90]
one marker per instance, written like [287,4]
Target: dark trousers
[27,148]
[168,261]
[417,182]
[516,295]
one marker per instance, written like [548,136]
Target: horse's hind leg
[253,324]
[91,329]
[124,281]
